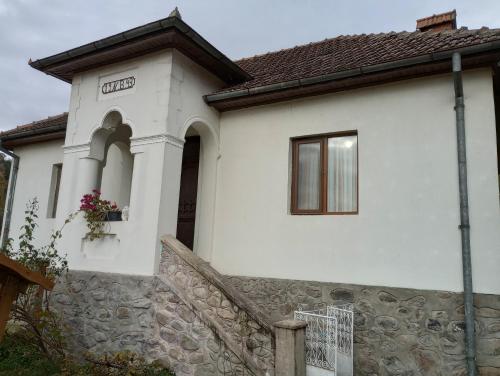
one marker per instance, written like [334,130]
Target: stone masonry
[199,323]
[186,317]
[234,318]
[396,331]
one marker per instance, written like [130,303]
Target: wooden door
[186,215]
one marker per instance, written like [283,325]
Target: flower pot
[113,216]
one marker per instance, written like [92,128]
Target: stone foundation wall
[396,331]
[186,317]
[235,319]
[108,313]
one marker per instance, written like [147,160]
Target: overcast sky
[239,28]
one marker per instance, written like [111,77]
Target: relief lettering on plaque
[118,85]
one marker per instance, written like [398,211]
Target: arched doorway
[197,189]
[186,216]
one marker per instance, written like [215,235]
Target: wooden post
[14,280]
[8,294]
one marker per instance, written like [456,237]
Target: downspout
[470,346]
[10,196]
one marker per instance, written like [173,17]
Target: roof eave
[231,72]
[223,101]
[33,136]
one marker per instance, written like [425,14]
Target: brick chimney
[438,22]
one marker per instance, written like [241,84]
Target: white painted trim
[198,119]
[155,139]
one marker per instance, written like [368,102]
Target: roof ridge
[36,123]
[416,32]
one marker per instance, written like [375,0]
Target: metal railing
[329,338]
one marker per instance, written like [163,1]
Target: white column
[155,189]
[169,204]
[89,173]
[136,188]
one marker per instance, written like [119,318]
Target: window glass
[342,174]
[309,176]
[325,174]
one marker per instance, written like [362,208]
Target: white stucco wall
[34,180]
[406,233]
[188,111]
[165,100]
[132,246]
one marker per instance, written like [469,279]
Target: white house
[333,162]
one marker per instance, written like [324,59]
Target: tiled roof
[329,56]
[58,121]
[355,51]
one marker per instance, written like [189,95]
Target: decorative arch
[112,117]
[110,146]
[202,126]
[123,115]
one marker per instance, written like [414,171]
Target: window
[54,190]
[325,174]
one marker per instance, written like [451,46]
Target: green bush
[123,363]
[35,323]
[21,358]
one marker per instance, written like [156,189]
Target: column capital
[76,148]
[157,138]
[163,138]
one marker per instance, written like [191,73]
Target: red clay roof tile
[353,51]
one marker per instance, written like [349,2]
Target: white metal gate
[329,340]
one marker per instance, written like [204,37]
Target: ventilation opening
[55,184]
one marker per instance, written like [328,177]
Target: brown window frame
[323,204]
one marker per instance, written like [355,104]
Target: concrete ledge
[290,324]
